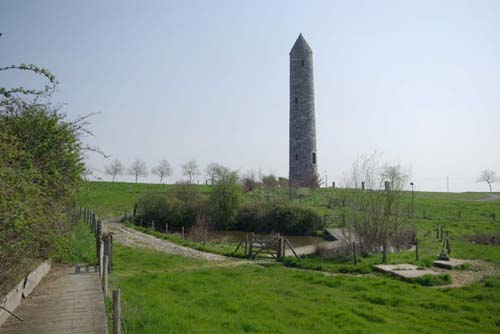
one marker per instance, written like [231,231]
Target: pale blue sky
[416,80]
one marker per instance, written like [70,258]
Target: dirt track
[490,198]
[132,238]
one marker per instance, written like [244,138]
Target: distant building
[303,154]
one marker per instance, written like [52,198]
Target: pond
[237,236]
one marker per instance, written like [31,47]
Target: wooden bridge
[64,302]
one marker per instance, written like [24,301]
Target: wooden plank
[63,302]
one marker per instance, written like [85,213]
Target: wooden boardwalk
[64,302]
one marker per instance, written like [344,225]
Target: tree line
[213,172]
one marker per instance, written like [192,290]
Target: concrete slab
[452,264]
[389,268]
[411,274]
[404,270]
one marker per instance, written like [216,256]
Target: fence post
[283,247]
[278,246]
[116,312]
[166,227]
[153,224]
[250,246]
[384,251]
[205,232]
[416,250]
[355,258]
[98,236]
[105,276]
[246,244]
[437,231]
[494,216]
[182,232]
[110,254]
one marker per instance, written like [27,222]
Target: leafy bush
[40,168]
[284,218]
[225,199]
[165,209]
[433,280]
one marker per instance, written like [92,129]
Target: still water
[237,236]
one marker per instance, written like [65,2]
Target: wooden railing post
[98,237]
[116,312]
[105,276]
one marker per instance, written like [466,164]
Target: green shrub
[433,280]
[164,209]
[290,219]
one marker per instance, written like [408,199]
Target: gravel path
[490,198]
[132,238]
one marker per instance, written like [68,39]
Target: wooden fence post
[355,257]
[250,247]
[105,276]
[246,244]
[182,232]
[278,247]
[416,249]
[110,253]
[205,232]
[153,224]
[116,312]
[98,236]
[384,251]
[166,227]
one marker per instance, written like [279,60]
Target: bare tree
[249,181]
[488,176]
[114,169]
[162,170]
[313,182]
[138,168]
[213,172]
[375,217]
[270,181]
[191,170]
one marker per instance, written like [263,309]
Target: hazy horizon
[182,80]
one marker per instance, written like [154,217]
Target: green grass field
[171,294]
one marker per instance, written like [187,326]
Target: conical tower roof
[300,45]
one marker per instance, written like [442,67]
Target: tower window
[296,156]
[296,100]
[314,158]
[303,63]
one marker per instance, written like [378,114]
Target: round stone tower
[303,155]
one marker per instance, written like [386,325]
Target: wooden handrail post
[116,312]
[98,237]
[105,276]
